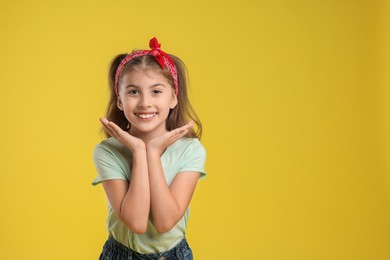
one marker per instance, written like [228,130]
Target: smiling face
[146,97]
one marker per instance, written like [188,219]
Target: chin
[149,129]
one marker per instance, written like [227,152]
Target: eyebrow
[152,86]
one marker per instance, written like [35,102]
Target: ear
[119,104]
[173,102]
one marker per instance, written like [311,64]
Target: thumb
[189,124]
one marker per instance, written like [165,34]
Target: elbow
[162,230]
[165,224]
[164,227]
[137,229]
[135,226]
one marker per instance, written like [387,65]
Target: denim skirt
[113,250]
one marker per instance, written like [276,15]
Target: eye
[133,92]
[156,91]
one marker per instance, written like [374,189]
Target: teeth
[145,116]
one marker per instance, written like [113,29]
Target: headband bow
[161,57]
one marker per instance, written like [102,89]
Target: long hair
[178,116]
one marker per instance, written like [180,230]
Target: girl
[151,162]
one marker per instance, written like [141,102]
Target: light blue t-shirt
[114,161]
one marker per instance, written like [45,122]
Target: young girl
[151,162]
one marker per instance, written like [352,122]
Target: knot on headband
[162,58]
[153,43]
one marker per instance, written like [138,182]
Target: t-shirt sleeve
[107,165]
[194,159]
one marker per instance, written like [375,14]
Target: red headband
[161,57]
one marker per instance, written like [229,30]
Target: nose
[145,101]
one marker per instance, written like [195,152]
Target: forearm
[135,206]
[164,207]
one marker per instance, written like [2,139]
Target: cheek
[127,113]
[128,107]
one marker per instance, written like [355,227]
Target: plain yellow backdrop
[294,98]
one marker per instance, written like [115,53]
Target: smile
[146,116]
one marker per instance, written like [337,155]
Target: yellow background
[294,98]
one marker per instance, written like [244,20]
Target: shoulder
[188,142]
[192,155]
[110,145]
[110,148]
[111,160]
[189,145]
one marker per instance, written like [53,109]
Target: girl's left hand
[159,144]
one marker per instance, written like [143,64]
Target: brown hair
[178,116]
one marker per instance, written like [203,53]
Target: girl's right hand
[131,142]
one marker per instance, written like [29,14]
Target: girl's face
[146,97]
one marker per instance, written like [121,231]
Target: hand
[160,143]
[131,142]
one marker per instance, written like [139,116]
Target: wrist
[141,150]
[153,151]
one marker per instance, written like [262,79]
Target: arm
[168,204]
[131,202]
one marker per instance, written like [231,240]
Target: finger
[176,132]
[190,124]
[108,130]
[115,128]
[180,131]
[179,135]
[104,122]
[174,135]
[187,126]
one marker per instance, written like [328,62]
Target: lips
[145,115]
